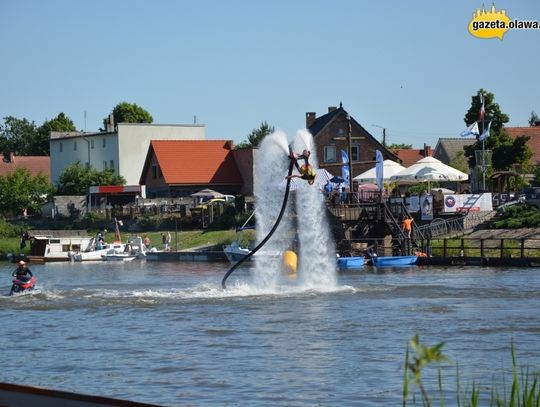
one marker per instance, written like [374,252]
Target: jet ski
[24,283]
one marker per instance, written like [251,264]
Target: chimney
[310,119]
[110,123]
[427,150]
[331,109]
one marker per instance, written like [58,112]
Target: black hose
[283,206]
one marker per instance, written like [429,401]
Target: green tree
[395,146]
[506,151]
[21,193]
[459,162]
[256,136]
[533,119]
[60,123]
[77,178]
[125,112]
[18,136]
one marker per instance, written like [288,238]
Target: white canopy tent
[370,177]
[429,169]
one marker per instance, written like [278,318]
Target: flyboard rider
[307,172]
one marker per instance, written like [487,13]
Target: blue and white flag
[379,169]
[345,167]
[485,133]
[472,130]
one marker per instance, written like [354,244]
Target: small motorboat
[24,283]
[235,252]
[351,262]
[393,261]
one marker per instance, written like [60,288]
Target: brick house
[176,168]
[330,133]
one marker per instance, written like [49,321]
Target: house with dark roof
[447,148]
[34,164]
[176,168]
[330,132]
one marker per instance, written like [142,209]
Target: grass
[524,389]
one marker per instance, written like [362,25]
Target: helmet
[22,263]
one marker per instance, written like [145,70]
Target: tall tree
[498,140]
[18,136]
[256,136]
[21,193]
[125,112]
[77,178]
[533,119]
[60,123]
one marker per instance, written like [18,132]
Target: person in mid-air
[22,271]
[307,172]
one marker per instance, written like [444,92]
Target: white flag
[472,130]
[485,133]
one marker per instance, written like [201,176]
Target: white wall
[134,140]
[126,148]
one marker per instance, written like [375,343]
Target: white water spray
[316,254]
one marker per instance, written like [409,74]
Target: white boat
[47,248]
[96,255]
[133,249]
[235,252]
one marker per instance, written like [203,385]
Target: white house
[124,150]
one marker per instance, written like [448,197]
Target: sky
[410,67]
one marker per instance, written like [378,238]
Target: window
[74,146]
[104,164]
[330,154]
[91,143]
[111,164]
[355,153]
[61,146]
[154,171]
[104,143]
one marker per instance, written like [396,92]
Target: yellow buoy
[290,261]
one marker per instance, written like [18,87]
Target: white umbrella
[429,169]
[389,168]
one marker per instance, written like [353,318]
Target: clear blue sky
[409,66]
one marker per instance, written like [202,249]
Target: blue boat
[392,261]
[351,262]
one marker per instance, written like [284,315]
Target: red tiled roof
[34,164]
[409,156]
[534,141]
[196,162]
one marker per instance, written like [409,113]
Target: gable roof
[34,164]
[534,140]
[321,122]
[409,156]
[194,162]
[447,148]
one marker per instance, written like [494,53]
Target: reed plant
[524,389]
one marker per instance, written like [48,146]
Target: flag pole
[349,149]
[483,145]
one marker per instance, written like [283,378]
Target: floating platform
[206,256]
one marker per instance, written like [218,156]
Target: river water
[166,333]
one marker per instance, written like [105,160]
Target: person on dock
[407,226]
[307,172]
